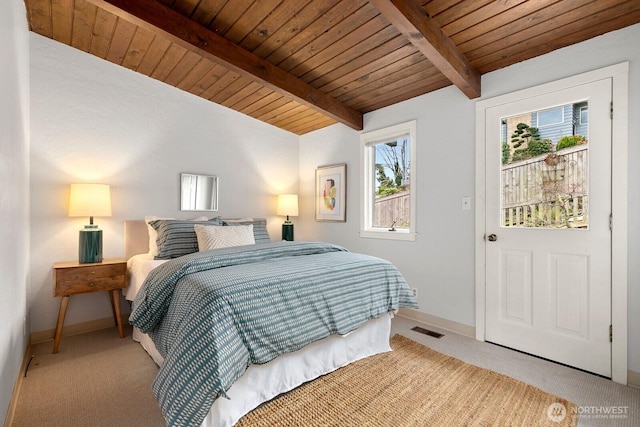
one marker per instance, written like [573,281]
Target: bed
[191,391]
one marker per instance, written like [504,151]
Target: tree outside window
[392,179]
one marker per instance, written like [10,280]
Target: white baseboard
[8,420]
[633,379]
[447,325]
[77,328]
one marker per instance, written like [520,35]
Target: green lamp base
[287,231]
[90,247]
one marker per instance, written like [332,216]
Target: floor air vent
[427,332]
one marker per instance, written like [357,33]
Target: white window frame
[368,141]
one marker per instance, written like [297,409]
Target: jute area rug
[413,386]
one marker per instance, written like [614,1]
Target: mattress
[138,267]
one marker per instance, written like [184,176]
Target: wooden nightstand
[74,278]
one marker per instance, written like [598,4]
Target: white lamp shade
[90,200]
[287,205]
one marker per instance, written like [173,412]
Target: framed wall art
[331,193]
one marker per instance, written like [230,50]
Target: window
[388,198]
[584,115]
[549,117]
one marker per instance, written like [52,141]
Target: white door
[548,247]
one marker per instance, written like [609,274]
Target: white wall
[14,190]
[441,261]
[95,121]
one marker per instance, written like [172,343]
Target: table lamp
[287,206]
[90,200]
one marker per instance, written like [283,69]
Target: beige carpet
[98,379]
[413,386]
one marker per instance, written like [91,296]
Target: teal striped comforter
[211,314]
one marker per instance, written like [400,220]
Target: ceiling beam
[423,32]
[164,21]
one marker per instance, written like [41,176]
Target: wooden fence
[547,191]
[392,208]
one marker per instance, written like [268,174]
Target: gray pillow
[177,237]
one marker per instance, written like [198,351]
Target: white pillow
[223,237]
[153,234]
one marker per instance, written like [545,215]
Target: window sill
[389,235]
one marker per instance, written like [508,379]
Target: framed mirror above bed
[198,192]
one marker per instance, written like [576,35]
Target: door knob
[492,237]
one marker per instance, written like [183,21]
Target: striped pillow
[260,233]
[153,235]
[223,237]
[177,237]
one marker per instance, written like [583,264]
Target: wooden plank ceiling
[302,65]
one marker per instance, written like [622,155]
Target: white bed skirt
[261,383]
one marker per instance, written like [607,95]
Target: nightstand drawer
[89,278]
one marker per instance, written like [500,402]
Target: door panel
[568,280]
[516,282]
[548,272]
